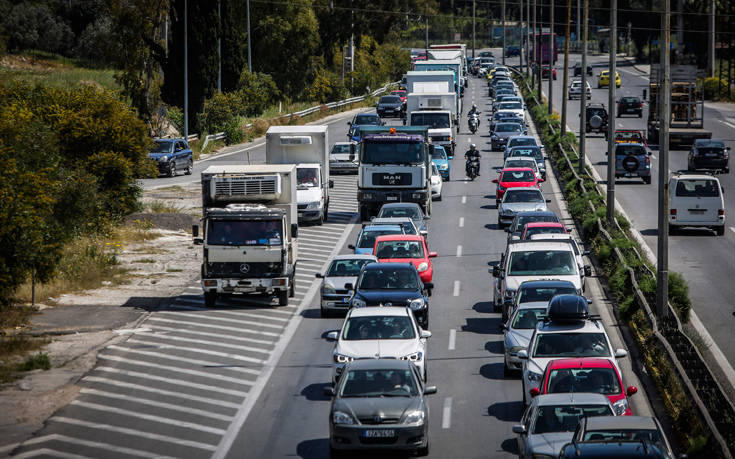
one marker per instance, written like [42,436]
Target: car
[512,50]
[632,160]
[629,136]
[503,84]
[514,106]
[624,429]
[550,421]
[390,107]
[172,156]
[502,132]
[544,228]
[567,331]
[575,90]
[587,374]
[545,72]
[380,333]
[596,118]
[522,161]
[517,332]
[530,151]
[406,249]
[501,95]
[441,160]
[344,157]
[695,200]
[408,225]
[584,270]
[577,69]
[604,79]
[366,238]
[536,291]
[379,404]
[611,449]
[504,117]
[402,93]
[515,229]
[406,209]
[709,154]
[519,141]
[519,199]
[342,270]
[436,183]
[630,105]
[362,119]
[515,177]
[392,284]
[486,54]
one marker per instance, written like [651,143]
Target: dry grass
[12,351]
[162,207]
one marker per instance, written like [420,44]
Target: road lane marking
[461,222]
[218,327]
[175,382]
[459,251]
[92,444]
[732,229]
[158,365]
[727,123]
[200,317]
[464,199]
[447,413]
[196,350]
[50,453]
[189,339]
[456,288]
[452,339]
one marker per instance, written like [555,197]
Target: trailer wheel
[210,299]
[283,298]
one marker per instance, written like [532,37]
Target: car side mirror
[332,335]
[427,217]
[631,390]
[349,286]
[331,183]
[494,180]
[502,327]
[586,253]
[350,246]
[621,353]
[548,201]
[319,275]
[523,354]
[424,233]
[329,391]
[425,334]
[349,123]
[294,230]
[540,180]
[433,254]
[587,270]
[534,392]
[519,429]
[428,390]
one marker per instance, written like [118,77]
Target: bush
[233,131]
[218,111]
[714,87]
[679,296]
[256,92]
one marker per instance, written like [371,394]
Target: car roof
[581,362]
[525,136]
[391,264]
[353,256]
[378,364]
[382,227]
[574,398]
[688,176]
[586,326]
[399,237]
[370,312]
[621,422]
[533,305]
[613,448]
[539,244]
[384,220]
[522,188]
[544,225]
[516,169]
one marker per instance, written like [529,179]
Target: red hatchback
[587,374]
[542,228]
[403,94]
[515,177]
[406,248]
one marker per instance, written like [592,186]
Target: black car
[578,69]
[596,118]
[512,50]
[621,429]
[709,154]
[171,156]
[611,450]
[630,105]
[534,291]
[379,404]
[515,228]
[392,284]
[390,107]
[504,117]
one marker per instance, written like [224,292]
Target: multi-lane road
[245,379]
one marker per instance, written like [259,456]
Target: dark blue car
[359,120]
[172,156]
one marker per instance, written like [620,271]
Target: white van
[696,200]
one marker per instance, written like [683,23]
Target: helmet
[474,106]
[473,146]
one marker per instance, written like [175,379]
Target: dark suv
[632,160]
[630,105]
[709,154]
[596,118]
[172,156]
[390,106]
[578,69]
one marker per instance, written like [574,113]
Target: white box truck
[307,148]
[435,110]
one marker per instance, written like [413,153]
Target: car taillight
[673,212]
[721,212]
[648,159]
[640,104]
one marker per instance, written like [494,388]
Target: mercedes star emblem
[244,268]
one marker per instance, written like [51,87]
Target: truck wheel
[210,299]
[720,230]
[320,221]
[326,212]
[364,214]
[283,298]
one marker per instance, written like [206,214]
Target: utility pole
[503,15]
[539,50]
[579,18]
[664,95]
[520,67]
[250,62]
[583,96]
[528,34]
[473,28]
[565,86]
[552,45]
[680,33]
[352,47]
[186,71]
[711,41]
[219,46]
[535,50]
[612,116]
[426,30]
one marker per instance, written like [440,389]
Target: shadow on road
[510,446]
[315,392]
[313,449]
[506,411]
[484,307]
[494,347]
[493,371]
[483,326]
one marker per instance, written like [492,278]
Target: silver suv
[633,160]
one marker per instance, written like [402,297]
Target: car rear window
[390,100]
[630,150]
[517,176]
[399,249]
[571,345]
[508,127]
[347,268]
[595,380]
[513,196]
[701,188]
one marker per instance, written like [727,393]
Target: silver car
[517,200]
[517,333]
[551,419]
[343,270]
[344,157]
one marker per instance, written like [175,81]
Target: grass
[144,260]
[12,351]
[162,207]
[53,70]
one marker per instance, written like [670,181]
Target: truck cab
[440,127]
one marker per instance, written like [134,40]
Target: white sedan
[436,183]
[575,90]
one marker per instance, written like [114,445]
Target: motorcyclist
[474,111]
[472,155]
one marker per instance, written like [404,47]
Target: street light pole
[186,71]
[535,47]
[565,86]
[664,95]
[503,16]
[552,45]
[528,34]
[250,64]
[473,28]
[611,117]
[711,41]
[520,67]
[219,47]
[583,95]
[540,51]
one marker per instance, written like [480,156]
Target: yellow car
[604,79]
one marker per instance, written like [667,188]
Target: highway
[245,379]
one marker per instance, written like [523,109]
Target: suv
[516,228]
[632,160]
[630,105]
[172,155]
[596,118]
[696,200]
[512,50]
[709,154]
[577,69]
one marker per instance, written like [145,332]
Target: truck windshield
[307,177]
[433,120]
[392,153]
[237,233]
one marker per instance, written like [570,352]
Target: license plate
[379,433]
[697,211]
[710,155]
[391,198]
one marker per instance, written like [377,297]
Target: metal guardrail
[694,373]
[192,137]
[210,137]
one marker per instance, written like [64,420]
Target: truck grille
[391,179]
[244,270]
[239,187]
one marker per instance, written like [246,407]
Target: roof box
[568,308]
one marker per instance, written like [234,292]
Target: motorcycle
[473,122]
[472,168]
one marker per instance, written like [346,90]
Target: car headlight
[620,407]
[340,358]
[423,266]
[415,357]
[163,158]
[533,376]
[328,288]
[313,205]
[444,167]
[417,304]
[358,303]
[414,417]
[340,417]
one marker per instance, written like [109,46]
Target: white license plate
[391,198]
[697,211]
[379,433]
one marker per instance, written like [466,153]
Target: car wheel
[320,221]
[189,167]
[673,230]
[720,230]
[500,223]
[210,299]
[439,198]
[172,169]
[647,180]
[421,452]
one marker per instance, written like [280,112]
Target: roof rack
[567,308]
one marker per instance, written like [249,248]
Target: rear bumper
[253,285]
[711,163]
[383,196]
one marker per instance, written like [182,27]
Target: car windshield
[390,100]
[392,153]
[710,143]
[511,106]
[522,196]
[706,151]
[571,345]
[526,319]
[699,188]
[533,294]
[307,177]
[369,120]
[433,120]
[439,153]
[542,263]
[367,237]
[340,149]
[630,100]
[565,418]
[399,249]
[234,232]
[378,327]
[576,84]
[616,435]
[388,278]
[530,163]
[534,153]
[379,383]
[162,146]
[544,230]
[596,380]
[522,142]
[347,268]
[400,212]
[629,150]
[523,219]
[517,176]
[508,127]
[596,111]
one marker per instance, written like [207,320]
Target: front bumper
[350,437]
[335,302]
[253,285]
[512,361]
[445,174]
[498,144]
[343,166]
[381,196]
[309,214]
[506,218]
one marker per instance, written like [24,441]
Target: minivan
[696,200]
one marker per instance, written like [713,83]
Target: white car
[517,333]
[436,183]
[575,89]
[520,141]
[379,332]
[583,269]
[695,200]
[516,107]
[344,157]
[343,270]
[522,161]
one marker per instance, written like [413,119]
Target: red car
[514,177]
[402,93]
[542,228]
[587,374]
[406,248]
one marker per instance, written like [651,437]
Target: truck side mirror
[195,231]
[431,150]
[331,183]
[352,150]
[294,230]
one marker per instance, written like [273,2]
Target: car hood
[307,195]
[519,337]
[377,348]
[338,283]
[524,206]
[342,157]
[512,282]
[390,105]
[415,261]
[505,135]
[369,407]
[158,155]
[517,184]
[549,443]
[398,297]
[440,162]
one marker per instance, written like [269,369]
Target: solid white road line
[452,339]
[461,222]
[464,199]
[153,390]
[135,433]
[51,453]
[206,342]
[226,355]
[94,444]
[456,288]
[201,317]
[732,229]
[175,382]
[217,327]
[447,413]
[202,363]
[459,251]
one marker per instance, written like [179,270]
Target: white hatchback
[695,200]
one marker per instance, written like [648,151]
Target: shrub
[233,131]
[256,91]
[714,87]
[679,296]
